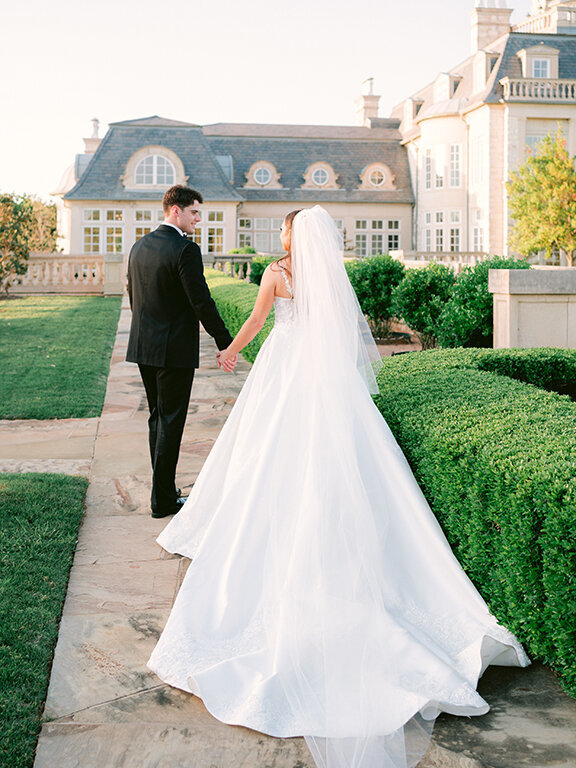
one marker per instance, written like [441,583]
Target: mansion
[431,177]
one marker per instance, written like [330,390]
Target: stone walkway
[104,708]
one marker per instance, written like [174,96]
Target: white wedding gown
[322,599]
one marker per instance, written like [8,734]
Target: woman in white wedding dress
[322,599]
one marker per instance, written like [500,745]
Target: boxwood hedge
[496,457]
[235,300]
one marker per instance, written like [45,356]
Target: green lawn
[55,354]
[39,520]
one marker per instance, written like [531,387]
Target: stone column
[534,307]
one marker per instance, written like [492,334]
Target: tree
[374,280]
[420,299]
[26,223]
[542,201]
[467,318]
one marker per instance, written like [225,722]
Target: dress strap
[286,281]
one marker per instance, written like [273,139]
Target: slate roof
[102,178]
[508,64]
[292,149]
[216,159]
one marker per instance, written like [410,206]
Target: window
[244,223]
[91,214]
[361,224]
[320,176]
[114,239]
[393,224]
[439,218]
[141,231]
[215,239]
[477,239]
[393,242]
[455,152]
[377,177]
[262,176]
[427,239]
[143,215]
[215,215]
[361,244]
[376,245]
[439,170]
[154,170]
[244,239]
[428,169]
[541,68]
[377,224]
[439,239]
[428,217]
[455,217]
[455,239]
[115,215]
[91,237]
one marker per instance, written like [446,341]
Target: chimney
[490,20]
[92,144]
[367,104]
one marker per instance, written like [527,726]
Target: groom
[169,297]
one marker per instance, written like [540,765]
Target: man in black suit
[169,298]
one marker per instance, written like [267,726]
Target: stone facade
[469,129]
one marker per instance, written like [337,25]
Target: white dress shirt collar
[168,224]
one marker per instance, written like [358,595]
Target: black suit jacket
[169,297]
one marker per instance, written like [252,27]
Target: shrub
[467,318]
[496,458]
[246,250]
[420,299]
[235,301]
[259,264]
[374,280]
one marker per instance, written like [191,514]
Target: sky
[65,62]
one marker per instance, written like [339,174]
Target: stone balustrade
[535,89]
[63,273]
[227,263]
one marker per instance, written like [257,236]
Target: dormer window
[541,68]
[320,176]
[377,176]
[154,170]
[154,167]
[263,174]
[539,62]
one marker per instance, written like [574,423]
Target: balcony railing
[535,89]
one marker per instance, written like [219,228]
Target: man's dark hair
[181,196]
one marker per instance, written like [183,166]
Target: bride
[322,599]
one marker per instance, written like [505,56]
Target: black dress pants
[168,394]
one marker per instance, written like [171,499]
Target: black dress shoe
[173,510]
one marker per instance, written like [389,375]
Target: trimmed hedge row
[235,301]
[496,459]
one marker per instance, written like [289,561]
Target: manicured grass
[39,520]
[55,354]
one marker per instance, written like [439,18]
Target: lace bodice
[283,306]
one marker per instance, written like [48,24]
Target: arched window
[154,170]
[322,175]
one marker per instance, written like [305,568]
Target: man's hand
[226,360]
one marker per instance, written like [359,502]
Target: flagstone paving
[104,709]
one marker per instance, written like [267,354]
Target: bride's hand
[226,360]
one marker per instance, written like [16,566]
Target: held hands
[226,360]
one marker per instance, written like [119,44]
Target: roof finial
[95,128]
[368,87]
